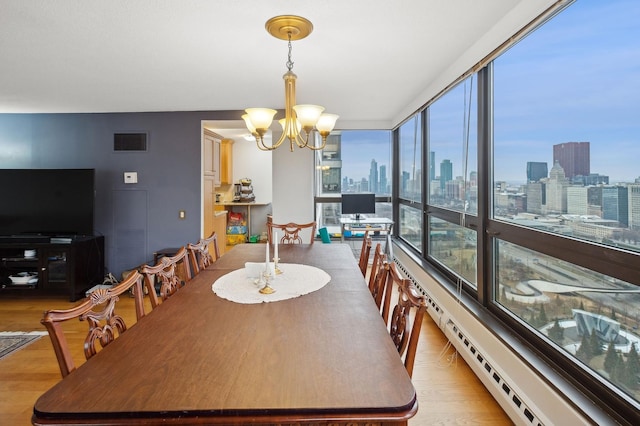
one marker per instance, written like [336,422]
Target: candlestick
[276,258]
[266,262]
[275,254]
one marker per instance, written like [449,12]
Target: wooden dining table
[322,358]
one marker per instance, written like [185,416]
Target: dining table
[320,356]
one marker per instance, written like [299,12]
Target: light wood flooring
[448,391]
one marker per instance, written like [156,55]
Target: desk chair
[99,312]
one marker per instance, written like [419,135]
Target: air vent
[129,141]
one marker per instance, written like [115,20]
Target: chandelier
[300,121]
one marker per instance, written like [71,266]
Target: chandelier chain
[289,61]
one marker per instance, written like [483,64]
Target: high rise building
[615,204]
[446,174]
[574,158]
[577,200]
[373,176]
[536,197]
[331,166]
[432,166]
[634,206]
[382,186]
[536,170]
[556,190]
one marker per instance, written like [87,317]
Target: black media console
[43,265]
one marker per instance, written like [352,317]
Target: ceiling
[373,62]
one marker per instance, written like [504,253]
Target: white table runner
[295,280]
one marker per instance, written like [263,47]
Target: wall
[293,174]
[136,219]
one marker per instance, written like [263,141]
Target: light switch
[130,177]
[182,214]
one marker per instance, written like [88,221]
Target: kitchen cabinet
[211,158]
[226,161]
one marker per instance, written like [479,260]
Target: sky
[359,147]
[575,79]
[580,77]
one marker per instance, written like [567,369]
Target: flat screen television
[48,202]
[360,203]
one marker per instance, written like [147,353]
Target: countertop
[241,203]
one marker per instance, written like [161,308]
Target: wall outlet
[130,177]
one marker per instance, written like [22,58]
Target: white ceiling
[373,62]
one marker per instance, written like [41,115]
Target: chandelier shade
[300,121]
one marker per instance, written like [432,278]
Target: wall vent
[129,141]
[464,343]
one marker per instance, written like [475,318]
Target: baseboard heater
[526,398]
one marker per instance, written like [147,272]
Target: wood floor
[448,392]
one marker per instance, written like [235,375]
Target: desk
[371,224]
[325,357]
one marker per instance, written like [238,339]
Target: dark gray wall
[136,219]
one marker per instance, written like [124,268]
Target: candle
[266,263]
[275,251]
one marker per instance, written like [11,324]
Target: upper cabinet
[211,160]
[226,161]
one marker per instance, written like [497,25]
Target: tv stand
[70,266]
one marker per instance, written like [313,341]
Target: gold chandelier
[298,119]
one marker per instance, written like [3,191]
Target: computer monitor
[358,204]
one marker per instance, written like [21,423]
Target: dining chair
[161,274]
[378,261]
[98,310]
[364,253]
[181,262]
[380,280]
[200,253]
[405,334]
[290,231]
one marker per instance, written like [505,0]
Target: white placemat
[295,280]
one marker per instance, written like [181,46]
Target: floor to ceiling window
[453,180]
[410,178]
[353,161]
[555,197]
[566,148]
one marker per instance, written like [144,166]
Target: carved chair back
[363,262]
[98,310]
[291,231]
[181,262]
[378,261]
[406,322]
[200,253]
[165,277]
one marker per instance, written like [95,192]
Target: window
[565,152]
[550,212]
[352,161]
[410,181]
[453,160]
